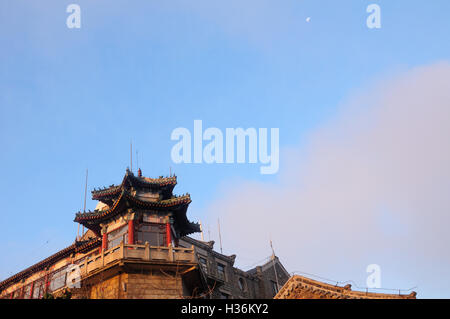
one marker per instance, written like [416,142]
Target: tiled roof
[76,247]
[300,287]
[100,215]
[131,180]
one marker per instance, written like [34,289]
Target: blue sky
[72,99]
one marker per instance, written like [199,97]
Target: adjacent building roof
[299,287]
[209,245]
[269,264]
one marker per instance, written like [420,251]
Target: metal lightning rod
[274,268]
[220,236]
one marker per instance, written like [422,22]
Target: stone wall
[108,288]
[147,285]
[154,286]
[267,279]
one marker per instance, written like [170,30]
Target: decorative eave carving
[299,287]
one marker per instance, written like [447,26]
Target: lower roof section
[299,287]
[76,247]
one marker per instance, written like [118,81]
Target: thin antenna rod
[220,237]
[85,195]
[137,160]
[85,191]
[274,268]
[201,230]
[78,232]
[131,156]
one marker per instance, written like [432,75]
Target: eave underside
[177,205]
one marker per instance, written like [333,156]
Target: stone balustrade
[90,263]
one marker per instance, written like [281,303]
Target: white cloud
[372,186]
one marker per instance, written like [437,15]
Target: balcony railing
[136,253]
[88,264]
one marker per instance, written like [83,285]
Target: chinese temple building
[137,246]
[299,287]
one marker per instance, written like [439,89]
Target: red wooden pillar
[47,284]
[168,235]
[105,241]
[131,232]
[31,290]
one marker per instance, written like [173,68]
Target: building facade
[225,281]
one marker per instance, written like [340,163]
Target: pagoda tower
[139,223]
[139,210]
